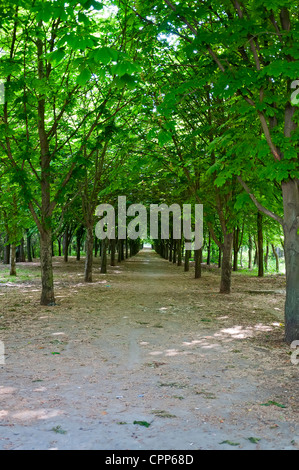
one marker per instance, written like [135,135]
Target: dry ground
[145,343]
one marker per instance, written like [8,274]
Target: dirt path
[146,343]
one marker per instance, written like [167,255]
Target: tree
[255,63]
[51,54]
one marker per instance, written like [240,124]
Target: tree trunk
[78,245]
[255,259]
[179,244]
[226,266]
[96,247]
[209,250]
[249,252]
[187,259]
[219,257]
[266,257]
[104,256]
[170,251]
[59,246]
[47,296]
[166,249]
[6,254]
[174,251]
[89,254]
[70,245]
[122,250]
[276,257]
[119,250]
[28,246]
[290,191]
[112,253]
[198,260]
[22,251]
[13,271]
[236,248]
[66,240]
[260,251]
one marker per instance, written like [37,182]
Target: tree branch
[259,206]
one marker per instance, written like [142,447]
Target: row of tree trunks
[173,251]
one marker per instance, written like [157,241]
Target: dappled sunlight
[169,353]
[23,285]
[3,414]
[241,332]
[187,348]
[203,343]
[6,390]
[216,341]
[236,332]
[38,414]
[174,352]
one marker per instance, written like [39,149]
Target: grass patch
[163,414]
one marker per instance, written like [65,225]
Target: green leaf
[57,56]
[104,55]
[45,13]
[91,3]
[230,443]
[83,18]
[84,76]
[97,5]
[254,440]
[270,402]
[142,423]
[164,137]
[123,68]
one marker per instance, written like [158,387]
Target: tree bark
[89,254]
[170,247]
[226,266]
[209,250]
[44,224]
[6,254]
[198,260]
[260,252]
[104,256]
[236,248]
[179,252]
[219,257]
[112,253]
[266,257]
[79,235]
[290,191]
[47,295]
[59,246]
[13,270]
[66,241]
[187,259]
[276,257]
[174,251]
[249,252]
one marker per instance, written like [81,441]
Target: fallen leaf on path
[142,423]
[270,402]
[230,443]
